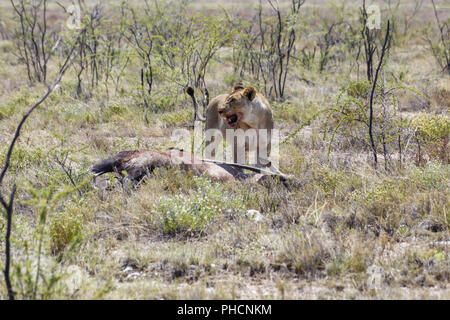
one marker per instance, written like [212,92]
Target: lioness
[244,109]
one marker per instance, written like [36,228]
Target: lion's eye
[231,100]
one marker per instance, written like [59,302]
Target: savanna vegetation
[362,110]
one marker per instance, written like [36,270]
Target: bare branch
[383,52]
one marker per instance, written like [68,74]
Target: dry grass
[348,231]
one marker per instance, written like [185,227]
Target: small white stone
[127,269]
[255,215]
[133,275]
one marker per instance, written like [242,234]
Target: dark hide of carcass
[140,163]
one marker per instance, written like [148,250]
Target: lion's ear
[238,86]
[250,93]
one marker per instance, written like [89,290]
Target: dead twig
[197,115]
[383,52]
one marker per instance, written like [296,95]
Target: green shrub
[287,111]
[433,133]
[432,127]
[117,109]
[177,118]
[190,213]
[65,229]
[380,199]
[6,111]
[22,157]
[7,46]
[432,176]
[359,89]
[328,180]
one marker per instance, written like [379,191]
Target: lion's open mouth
[232,119]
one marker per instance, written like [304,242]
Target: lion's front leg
[263,148]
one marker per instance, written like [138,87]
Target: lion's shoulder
[261,99]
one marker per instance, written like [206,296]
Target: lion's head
[236,104]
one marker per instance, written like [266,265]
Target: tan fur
[252,110]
